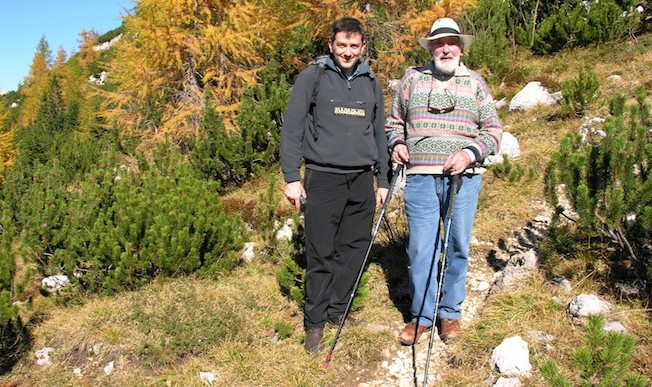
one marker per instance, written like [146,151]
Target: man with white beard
[442,123]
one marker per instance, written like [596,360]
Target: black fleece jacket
[350,124]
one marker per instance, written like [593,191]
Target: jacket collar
[360,69]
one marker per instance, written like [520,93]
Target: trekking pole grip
[456,183]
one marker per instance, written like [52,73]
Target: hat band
[445,30]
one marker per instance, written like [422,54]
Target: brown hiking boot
[313,343]
[449,329]
[411,333]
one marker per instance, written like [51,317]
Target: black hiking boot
[313,343]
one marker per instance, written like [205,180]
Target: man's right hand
[400,154]
[294,192]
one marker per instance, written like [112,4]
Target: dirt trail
[404,365]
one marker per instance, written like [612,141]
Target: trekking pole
[381,215]
[456,183]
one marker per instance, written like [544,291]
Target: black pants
[338,219]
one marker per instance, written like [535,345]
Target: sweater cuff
[397,142]
[473,154]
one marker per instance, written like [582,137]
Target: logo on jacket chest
[348,111]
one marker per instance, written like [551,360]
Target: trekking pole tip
[324,367]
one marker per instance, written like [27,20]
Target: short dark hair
[349,25]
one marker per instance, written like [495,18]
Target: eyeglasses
[448,109]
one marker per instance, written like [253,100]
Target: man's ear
[330,45]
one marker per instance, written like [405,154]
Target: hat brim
[465,40]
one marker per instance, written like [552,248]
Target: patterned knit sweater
[431,136]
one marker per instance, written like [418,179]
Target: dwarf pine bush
[585,23]
[513,172]
[124,229]
[604,361]
[608,181]
[118,227]
[579,93]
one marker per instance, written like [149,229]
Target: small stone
[207,378]
[108,370]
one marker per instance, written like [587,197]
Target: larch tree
[173,54]
[36,82]
[7,147]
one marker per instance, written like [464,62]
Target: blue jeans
[426,202]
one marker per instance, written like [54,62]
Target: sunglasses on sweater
[448,109]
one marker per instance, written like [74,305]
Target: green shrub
[266,210]
[291,278]
[124,229]
[605,361]
[232,158]
[118,228]
[608,183]
[513,172]
[14,336]
[584,23]
[579,93]
[491,49]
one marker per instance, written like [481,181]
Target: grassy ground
[246,333]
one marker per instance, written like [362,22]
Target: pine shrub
[608,182]
[585,23]
[491,50]
[234,157]
[605,361]
[126,229]
[14,336]
[513,172]
[120,225]
[579,93]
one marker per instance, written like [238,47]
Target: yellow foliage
[34,84]
[175,52]
[7,149]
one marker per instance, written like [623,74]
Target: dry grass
[168,332]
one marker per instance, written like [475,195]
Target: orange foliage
[176,52]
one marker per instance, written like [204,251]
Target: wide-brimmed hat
[442,28]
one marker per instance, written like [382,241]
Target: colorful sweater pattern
[422,117]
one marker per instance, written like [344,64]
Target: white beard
[447,68]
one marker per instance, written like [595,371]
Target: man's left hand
[457,163]
[381,195]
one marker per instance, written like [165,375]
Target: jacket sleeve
[382,163]
[395,124]
[488,141]
[294,125]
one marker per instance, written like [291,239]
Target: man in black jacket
[335,123]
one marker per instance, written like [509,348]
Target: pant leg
[422,207]
[352,239]
[454,286]
[326,200]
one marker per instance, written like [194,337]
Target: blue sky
[24,22]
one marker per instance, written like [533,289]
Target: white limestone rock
[54,283]
[509,146]
[587,304]
[43,356]
[531,95]
[512,357]
[249,254]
